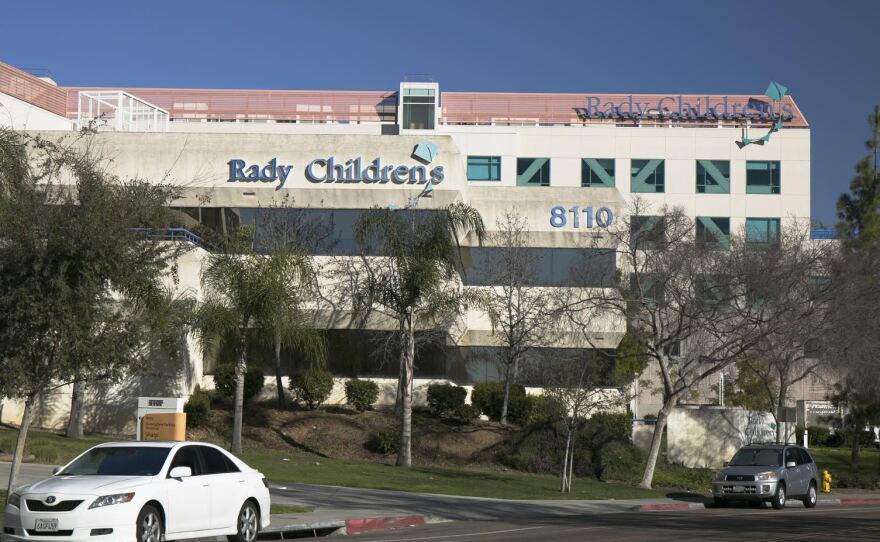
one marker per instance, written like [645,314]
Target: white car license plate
[739,489]
[44,525]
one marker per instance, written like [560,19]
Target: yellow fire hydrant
[826,481]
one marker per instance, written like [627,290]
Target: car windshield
[758,457]
[119,461]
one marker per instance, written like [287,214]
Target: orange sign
[165,426]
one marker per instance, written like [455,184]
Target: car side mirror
[790,464]
[727,463]
[55,470]
[180,472]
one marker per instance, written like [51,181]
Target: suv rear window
[757,457]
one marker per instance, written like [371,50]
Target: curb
[671,506]
[850,501]
[355,526]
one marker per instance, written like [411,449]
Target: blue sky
[826,52]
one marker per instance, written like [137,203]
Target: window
[713,176]
[542,266]
[484,168]
[216,461]
[597,172]
[533,172]
[762,231]
[762,177]
[188,456]
[647,287]
[791,456]
[419,107]
[119,461]
[713,232]
[647,232]
[710,290]
[647,176]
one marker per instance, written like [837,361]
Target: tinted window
[792,455]
[803,457]
[216,461]
[757,457]
[119,461]
[188,456]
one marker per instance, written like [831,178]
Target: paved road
[734,524]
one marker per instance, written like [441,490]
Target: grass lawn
[48,448]
[837,460]
[291,509]
[434,480]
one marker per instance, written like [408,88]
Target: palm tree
[413,281]
[240,294]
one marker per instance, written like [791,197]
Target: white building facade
[569,163]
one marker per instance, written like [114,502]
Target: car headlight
[14,499]
[720,476]
[764,476]
[109,500]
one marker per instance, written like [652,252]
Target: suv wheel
[778,500]
[810,499]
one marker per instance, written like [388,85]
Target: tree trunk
[240,371]
[18,455]
[656,440]
[781,427]
[506,394]
[278,383]
[75,422]
[565,462]
[407,365]
[856,452]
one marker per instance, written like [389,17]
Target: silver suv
[768,472]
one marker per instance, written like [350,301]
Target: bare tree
[576,392]
[799,299]
[525,316]
[686,296]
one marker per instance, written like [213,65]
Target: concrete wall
[709,436]
[20,115]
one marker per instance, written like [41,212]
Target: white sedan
[147,491]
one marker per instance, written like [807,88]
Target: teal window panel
[713,176]
[647,176]
[713,232]
[597,172]
[647,232]
[484,168]
[710,289]
[762,231]
[647,287]
[763,177]
[533,172]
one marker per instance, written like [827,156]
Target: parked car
[142,491]
[768,473]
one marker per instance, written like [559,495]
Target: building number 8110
[559,217]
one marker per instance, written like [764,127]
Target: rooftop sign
[683,108]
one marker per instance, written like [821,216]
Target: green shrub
[198,408]
[464,414]
[620,462]
[311,387]
[818,435]
[224,381]
[489,398]
[835,439]
[384,441]
[679,477]
[606,427]
[543,409]
[361,394]
[444,399]
[857,481]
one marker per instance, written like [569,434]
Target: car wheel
[720,503]
[778,500]
[247,524]
[811,498]
[149,525]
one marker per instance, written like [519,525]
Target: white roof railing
[118,111]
